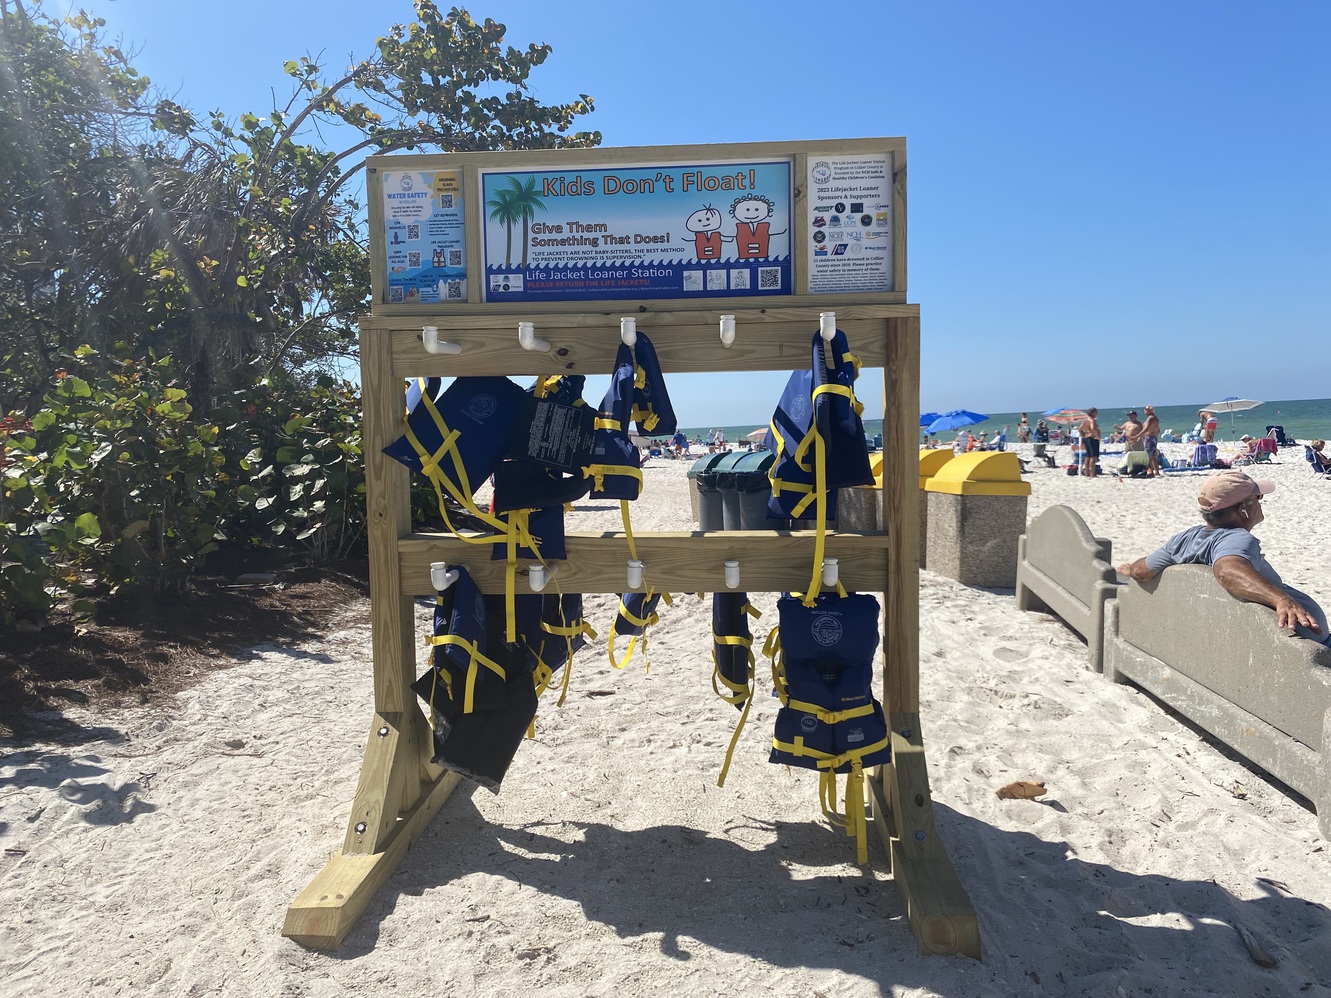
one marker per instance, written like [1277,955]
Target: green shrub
[302,473]
[136,489]
[27,579]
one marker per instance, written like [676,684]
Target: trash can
[710,485]
[861,507]
[726,471]
[977,511]
[931,463]
[699,466]
[744,505]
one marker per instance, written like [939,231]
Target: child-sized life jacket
[652,410]
[732,660]
[829,721]
[820,442]
[637,612]
[615,464]
[479,688]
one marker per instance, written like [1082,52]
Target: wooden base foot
[941,915]
[325,911]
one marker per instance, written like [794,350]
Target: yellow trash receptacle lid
[981,473]
[931,461]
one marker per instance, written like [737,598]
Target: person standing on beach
[1231,505]
[1151,442]
[1023,430]
[1132,432]
[1089,431]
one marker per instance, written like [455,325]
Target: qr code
[453,290]
[739,279]
[693,280]
[414,231]
[446,201]
[454,256]
[395,296]
[413,260]
[769,277]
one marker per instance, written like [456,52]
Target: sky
[1109,203]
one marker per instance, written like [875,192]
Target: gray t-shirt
[1203,545]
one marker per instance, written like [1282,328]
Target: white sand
[158,856]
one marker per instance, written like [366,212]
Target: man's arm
[1138,571]
[1240,579]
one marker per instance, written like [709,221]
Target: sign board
[686,223]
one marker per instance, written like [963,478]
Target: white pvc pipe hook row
[628,330]
[727,331]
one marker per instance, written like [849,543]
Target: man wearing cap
[1151,441]
[1132,432]
[1231,505]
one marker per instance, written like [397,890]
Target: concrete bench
[1062,569]
[1227,667]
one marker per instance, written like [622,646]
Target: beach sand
[157,856]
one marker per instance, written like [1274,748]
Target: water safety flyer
[425,237]
[678,231]
[850,223]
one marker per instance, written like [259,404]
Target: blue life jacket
[614,467]
[732,660]
[637,612]
[652,410]
[829,720]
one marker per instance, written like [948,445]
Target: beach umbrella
[757,435]
[1064,415]
[955,420]
[927,417]
[1231,404]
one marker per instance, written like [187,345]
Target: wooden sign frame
[400,789]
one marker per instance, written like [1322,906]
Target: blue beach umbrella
[927,417]
[955,420]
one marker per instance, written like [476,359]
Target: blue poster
[424,237]
[698,231]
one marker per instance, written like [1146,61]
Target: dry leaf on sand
[1021,790]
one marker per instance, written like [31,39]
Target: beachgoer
[1023,430]
[1132,432]
[679,443]
[1089,431]
[1151,442]
[1231,505]
[1042,432]
[1317,446]
[1208,432]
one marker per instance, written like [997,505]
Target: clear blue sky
[1109,202]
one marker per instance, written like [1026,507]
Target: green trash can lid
[705,463]
[758,460]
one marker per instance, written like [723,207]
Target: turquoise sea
[1303,419]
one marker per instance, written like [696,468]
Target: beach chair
[1320,468]
[1262,450]
[1278,432]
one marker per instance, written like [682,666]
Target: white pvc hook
[539,576]
[732,573]
[635,574]
[527,337]
[433,344]
[628,330]
[830,572]
[727,331]
[827,325]
[441,576]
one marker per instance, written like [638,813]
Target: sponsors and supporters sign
[850,223]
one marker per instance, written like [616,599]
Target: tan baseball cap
[1229,488]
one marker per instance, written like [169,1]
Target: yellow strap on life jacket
[475,662]
[607,423]
[743,692]
[643,622]
[645,418]
[744,716]
[830,716]
[598,472]
[853,819]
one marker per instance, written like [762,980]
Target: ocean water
[1303,419]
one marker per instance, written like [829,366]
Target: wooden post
[940,913]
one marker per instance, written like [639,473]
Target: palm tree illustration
[526,202]
[504,208]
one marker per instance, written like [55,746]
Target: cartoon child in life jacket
[752,230]
[705,224]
